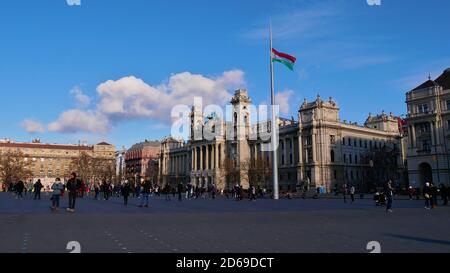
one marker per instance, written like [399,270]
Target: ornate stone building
[49,161]
[139,160]
[429,131]
[318,147]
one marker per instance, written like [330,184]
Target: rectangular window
[349,142]
[426,145]
[448,104]
[423,108]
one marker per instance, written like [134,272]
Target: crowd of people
[384,197]
[76,188]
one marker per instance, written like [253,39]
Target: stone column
[413,135]
[207,158]
[202,163]
[300,149]
[192,159]
[222,152]
[216,155]
[195,159]
[433,141]
[313,145]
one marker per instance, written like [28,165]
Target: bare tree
[382,165]
[229,172]
[14,167]
[260,172]
[91,169]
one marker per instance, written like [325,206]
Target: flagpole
[274,126]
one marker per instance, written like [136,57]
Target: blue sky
[110,70]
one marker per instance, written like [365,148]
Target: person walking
[73,185]
[145,193]
[344,192]
[57,188]
[105,189]
[125,192]
[389,193]
[167,192]
[433,197]
[253,193]
[180,191]
[30,189]
[352,193]
[37,189]
[213,191]
[19,189]
[427,195]
[96,191]
[410,192]
[188,191]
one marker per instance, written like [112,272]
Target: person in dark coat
[146,187]
[73,185]
[19,188]
[180,191]
[434,193]
[126,189]
[37,189]
[427,195]
[389,193]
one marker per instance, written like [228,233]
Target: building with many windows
[429,131]
[49,161]
[140,160]
[318,148]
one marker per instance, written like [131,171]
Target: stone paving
[221,226]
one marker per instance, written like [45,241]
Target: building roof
[44,146]
[444,79]
[427,84]
[104,144]
[138,146]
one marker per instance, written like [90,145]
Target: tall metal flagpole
[274,126]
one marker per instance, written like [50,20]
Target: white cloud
[32,126]
[283,99]
[132,98]
[74,120]
[81,99]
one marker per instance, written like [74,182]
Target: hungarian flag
[283,58]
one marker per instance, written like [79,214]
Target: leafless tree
[14,167]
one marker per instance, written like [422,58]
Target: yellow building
[49,161]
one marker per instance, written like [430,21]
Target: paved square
[221,226]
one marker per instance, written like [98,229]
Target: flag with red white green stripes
[283,58]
